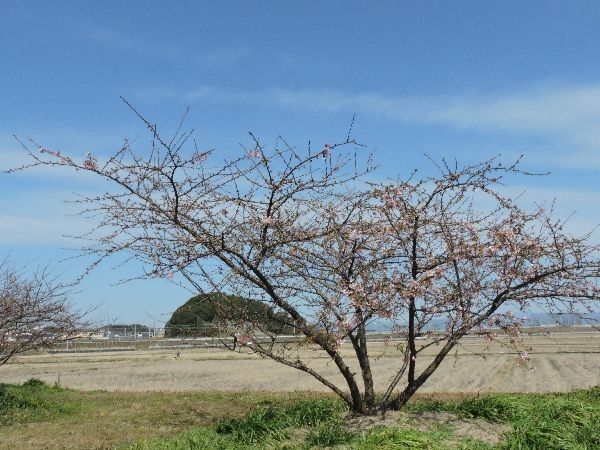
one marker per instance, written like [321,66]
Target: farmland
[560,362]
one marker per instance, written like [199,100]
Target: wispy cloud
[562,115]
[207,56]
[40,218]
[571,112]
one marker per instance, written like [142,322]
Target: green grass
[42,416]
[269,424]
[398,438]
[33,401]
[33,413]
[539,421]
[308,424]
[273,421]
[328,435]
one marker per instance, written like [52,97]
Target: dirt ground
[488,432]
[560,362]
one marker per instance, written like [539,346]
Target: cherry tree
[306,232]
[34,312]
[465,253]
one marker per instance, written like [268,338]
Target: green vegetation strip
[303,421]
[544,421]
[303,425]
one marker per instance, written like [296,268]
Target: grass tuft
[329,435]
[399,438]
[273,421]
[32,401]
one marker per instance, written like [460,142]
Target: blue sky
[463,79]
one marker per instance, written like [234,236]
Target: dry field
[559,362]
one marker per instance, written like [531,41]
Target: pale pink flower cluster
[505,235]
[435,273]
[339,342]
[471,228]
[90,162]
[414,289]
[199,157]
[491,250]
[530,271]
[269,220]
[347,324]
[256,153]
[356,292]
[352,289]
[391,202]
[490,337]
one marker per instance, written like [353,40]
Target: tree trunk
[363,359]
[413,386]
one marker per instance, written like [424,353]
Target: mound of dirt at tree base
[481,430]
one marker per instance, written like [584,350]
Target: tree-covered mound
[210,314]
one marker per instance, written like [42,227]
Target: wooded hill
[209,314]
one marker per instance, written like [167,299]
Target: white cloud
[562,114]
[569,112]
[565,116]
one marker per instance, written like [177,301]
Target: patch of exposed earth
[481,430]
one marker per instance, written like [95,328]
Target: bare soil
[478,429]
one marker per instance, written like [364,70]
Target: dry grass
[561,362]
[107,419]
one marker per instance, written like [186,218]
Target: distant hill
[203,314]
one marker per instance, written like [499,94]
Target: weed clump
[272,421]
[32,401]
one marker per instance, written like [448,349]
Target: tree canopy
[309,233]
[34,311]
